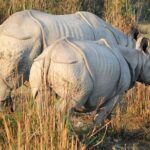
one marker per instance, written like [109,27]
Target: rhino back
[96,60]
[103,66]
[20,26]
[27,24]
[102,29]
[56,26]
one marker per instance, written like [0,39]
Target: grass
[120,14]
[134,112]
[145,29]
[25,129]
[8,7]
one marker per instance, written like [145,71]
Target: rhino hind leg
[86,108]
[105,111]
[43,99]
[73,105]
[39,102]
[81,106]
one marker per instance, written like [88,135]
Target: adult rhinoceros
[84,71]
[25,34]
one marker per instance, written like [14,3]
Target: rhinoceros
[25,34]
[84,71]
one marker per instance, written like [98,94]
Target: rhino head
[143,44]
[145,70]
[140,43]
[144,76]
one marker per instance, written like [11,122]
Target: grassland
[24,129]
[129,127]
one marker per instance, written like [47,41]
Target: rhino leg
[85,108]
[105,110]
[41,99]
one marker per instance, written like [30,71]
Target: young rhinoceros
[25,34]
[84,71]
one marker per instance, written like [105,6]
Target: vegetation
[8,7]
[25,129]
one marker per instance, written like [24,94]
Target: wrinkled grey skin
[25,34]
[84,71]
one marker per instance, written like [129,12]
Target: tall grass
[52,6]
[134,113]
[120,14]
[8,7]
[25,129]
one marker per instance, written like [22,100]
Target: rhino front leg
[103,112]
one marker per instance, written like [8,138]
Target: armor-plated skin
[85,71]
[25,34]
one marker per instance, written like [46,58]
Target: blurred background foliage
[112,10]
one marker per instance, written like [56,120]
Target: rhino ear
[134,33]
[144,44]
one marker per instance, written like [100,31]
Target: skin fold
[25,34]
[81,72]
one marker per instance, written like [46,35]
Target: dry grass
[134,112]
[51,6]
[25,129]
[145,29]
[119,14]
